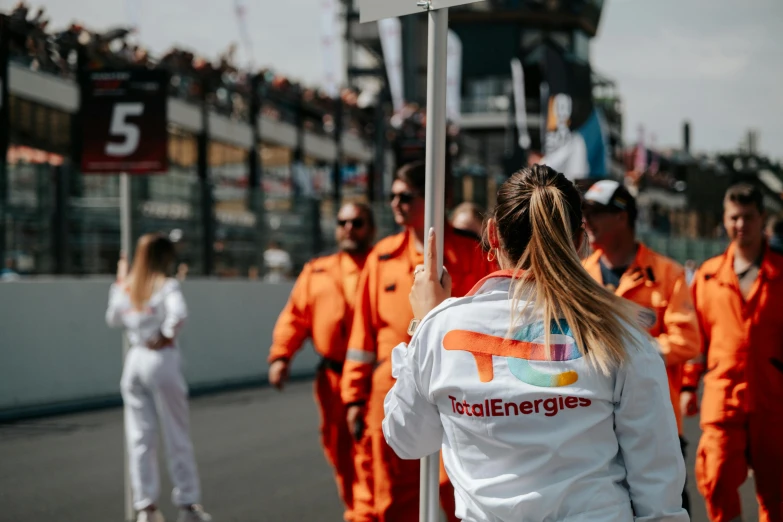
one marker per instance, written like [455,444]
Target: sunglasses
[405,197]
[355,223]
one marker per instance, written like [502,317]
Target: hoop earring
[491,255]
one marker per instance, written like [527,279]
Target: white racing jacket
[528,436]
[162,315]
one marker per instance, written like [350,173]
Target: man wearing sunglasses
[383,320]
[321,307]
[656,283]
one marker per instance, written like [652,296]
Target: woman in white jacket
[150,307]
[546,400]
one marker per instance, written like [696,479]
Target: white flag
[518,77]
[390,31]
[453,77]
[330,46]
[640,160]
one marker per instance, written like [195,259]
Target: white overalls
[529,435]
[154,393]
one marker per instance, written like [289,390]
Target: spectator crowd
[221,83]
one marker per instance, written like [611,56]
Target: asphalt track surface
[257,451]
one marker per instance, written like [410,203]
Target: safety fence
[684,249]
[59,355]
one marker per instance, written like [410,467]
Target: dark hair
[157,252]
[775,224]
[745,194]
[538,217]
[512,212]
[414,174]
[364,209]
[155,255]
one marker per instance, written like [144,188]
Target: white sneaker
[196,513]
[150,516]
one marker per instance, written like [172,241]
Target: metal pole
[125,245]
[349,41]
[434,205]
[125,215]
[337,178]
[4,131]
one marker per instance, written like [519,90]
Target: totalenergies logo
[527,346]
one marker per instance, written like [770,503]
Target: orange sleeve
[295,322]
[362,347]
[681,338]
[694,368]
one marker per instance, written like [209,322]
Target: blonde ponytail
[561,288]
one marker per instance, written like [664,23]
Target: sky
[716,63]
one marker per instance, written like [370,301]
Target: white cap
[602,191]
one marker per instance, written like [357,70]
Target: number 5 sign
[124,121]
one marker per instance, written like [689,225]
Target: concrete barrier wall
[55,347]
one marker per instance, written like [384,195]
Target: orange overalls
[742,405]
[383,314]
[658,284]
[321,307]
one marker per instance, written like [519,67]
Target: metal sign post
[435,164]
[125,215]
[125,246]
[434,206]
[126,133]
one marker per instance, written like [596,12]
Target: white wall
[55,346]
[45,89]
[63,94]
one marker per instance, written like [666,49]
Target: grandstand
[252,157]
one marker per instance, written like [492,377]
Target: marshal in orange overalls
[742,405]
[658,284]
[321,307]
[383,314]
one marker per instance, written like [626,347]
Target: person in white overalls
[150,307]
[540,387]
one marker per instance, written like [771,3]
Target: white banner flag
[453,77]
[640,160]
[330,46]
[518,80]
[390,31]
